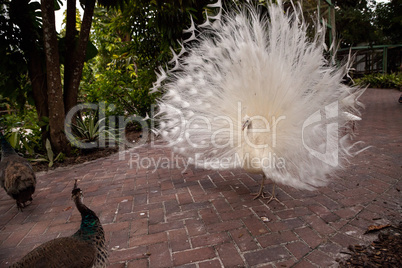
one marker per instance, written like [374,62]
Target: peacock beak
[246,123]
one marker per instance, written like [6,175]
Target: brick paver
[163,218]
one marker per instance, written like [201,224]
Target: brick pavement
[205,218]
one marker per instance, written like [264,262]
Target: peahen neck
[6,148]
[89,221]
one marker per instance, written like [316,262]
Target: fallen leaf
[67,208]
[373,228]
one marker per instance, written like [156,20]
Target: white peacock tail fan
[254,91]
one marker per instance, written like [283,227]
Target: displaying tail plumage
[254,91]
[16,175]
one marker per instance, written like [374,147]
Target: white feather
[351,117]
[260,90]
[175,56]
[191,30]
[207,23]
[217,16]
[161,77]
[217,4]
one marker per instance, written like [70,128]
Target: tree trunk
[70,49]
[78,58]
[39,89]
[55,93]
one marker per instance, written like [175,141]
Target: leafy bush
[22,130]
[124,69]
[381,81]
[123,89]
[49,156]
[89,129]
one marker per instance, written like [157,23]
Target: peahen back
[85,248]
[16,174]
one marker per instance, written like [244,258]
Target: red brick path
[208,219]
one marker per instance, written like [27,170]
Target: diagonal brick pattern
[159,216]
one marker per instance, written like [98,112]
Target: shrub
[88,130]
[381,81]
[22,130]
[125,90]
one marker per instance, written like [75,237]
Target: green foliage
[14,81]
[381,81]
[22,130]
[121,87]
[89,128]
[132,43]
[152,27]
[20,142]
[389,20]
[49,156]
[368,22]
[354,22]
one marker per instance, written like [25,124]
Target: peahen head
[78,197]
[89,221]
[76,193]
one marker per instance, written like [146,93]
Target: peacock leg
[273,196]
[260,193]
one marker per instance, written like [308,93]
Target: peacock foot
[263,195]
[259,194]
[272,198]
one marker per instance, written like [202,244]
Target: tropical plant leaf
[49,152]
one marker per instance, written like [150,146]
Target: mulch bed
[385,252]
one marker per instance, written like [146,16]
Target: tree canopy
[367,22]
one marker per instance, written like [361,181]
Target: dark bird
[85,248]
[16,175]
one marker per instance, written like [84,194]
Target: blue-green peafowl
[16,174]
[85,248]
